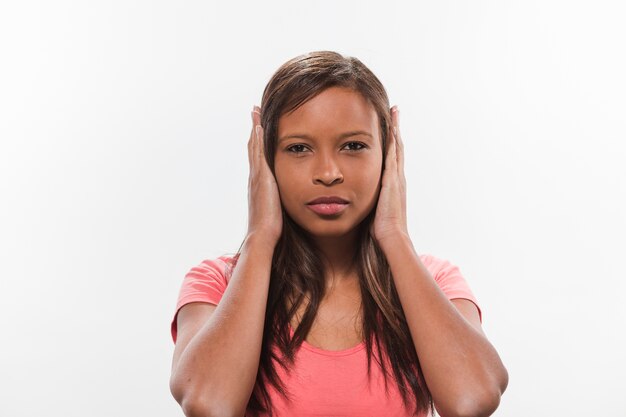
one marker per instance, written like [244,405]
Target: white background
[123,163]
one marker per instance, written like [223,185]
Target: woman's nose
[327,171]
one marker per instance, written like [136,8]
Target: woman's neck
[338,256]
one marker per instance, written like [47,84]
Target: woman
[327,278]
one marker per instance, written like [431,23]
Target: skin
[312,160]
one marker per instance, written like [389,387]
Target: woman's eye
[297,149]
[290,149]
[356,143]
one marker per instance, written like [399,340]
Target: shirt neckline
[320,351]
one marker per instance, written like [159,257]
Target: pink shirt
[326,383]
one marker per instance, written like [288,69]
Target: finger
[262,162]
[259,141]
[398,141]
[253,144]
[391,163]
[256,115]
[252,140]
[258,130]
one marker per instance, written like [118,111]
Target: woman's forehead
[335,111]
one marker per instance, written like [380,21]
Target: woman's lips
[327,209]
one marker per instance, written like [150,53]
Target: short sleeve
[205,282]
[450,280]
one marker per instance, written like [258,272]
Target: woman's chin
[328,231]
[328,227]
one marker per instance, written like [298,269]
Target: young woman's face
[330,146]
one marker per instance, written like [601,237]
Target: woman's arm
[215,372]
[463,371]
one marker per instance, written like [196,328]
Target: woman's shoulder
[431,261]
[227,261]
[440,267]
[212,268]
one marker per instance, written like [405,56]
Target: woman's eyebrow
[341,136]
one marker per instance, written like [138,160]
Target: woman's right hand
[265,217]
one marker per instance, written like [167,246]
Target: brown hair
[297,269]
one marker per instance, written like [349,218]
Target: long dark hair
[297,268]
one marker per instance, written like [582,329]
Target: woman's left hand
[390,220]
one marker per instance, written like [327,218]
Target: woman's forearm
[462,369]
[219,366]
